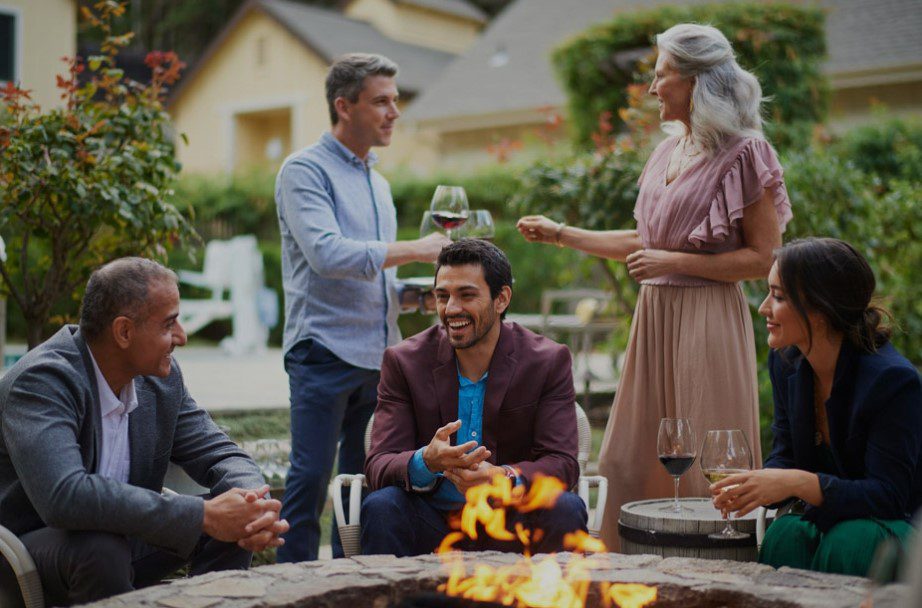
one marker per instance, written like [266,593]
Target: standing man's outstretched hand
[440,454]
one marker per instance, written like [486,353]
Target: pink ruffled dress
[691,352]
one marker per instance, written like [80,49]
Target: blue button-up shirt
[470,413]
[336,217]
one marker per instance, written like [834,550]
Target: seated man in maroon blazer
[504,394]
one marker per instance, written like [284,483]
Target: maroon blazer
[529,420]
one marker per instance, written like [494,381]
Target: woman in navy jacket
[848,417]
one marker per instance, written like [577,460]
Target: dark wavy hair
[832,278]
[496,268]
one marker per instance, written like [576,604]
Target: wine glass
[479,225]
[725,453]
[449,208]
[675,444]
[428,226]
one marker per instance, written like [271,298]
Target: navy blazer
[875,431]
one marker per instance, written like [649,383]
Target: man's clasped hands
[246,517]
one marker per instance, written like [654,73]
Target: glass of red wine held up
[449,208]
[676,445]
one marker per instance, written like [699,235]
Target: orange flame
[632,595]
[526,583]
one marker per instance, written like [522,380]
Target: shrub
[888,149]
[782,44]
[87,182]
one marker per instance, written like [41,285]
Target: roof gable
[329,34]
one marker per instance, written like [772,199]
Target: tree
[87,182]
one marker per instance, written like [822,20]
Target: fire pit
[586,578]
[382,581]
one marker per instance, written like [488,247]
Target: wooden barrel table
[644,528]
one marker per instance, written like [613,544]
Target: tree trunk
[34,332]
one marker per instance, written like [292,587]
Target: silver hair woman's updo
[726,99]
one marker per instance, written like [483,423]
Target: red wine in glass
[448,220]
[676,447]
[677,464]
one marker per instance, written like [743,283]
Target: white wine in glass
[725,453]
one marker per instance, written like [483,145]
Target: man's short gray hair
[347,75]
[120,288]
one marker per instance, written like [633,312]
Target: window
[8,45]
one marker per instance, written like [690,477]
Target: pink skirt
[691,354]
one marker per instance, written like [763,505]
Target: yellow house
[504,88]
[34,35]
[257,94]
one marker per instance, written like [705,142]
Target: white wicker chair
[350,529]
[29,591]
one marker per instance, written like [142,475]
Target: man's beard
[484,328]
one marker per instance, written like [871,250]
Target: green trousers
[847,548]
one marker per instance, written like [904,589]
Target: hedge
[783,44]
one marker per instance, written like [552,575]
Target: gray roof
[862,34]
[459,8]
[331,34]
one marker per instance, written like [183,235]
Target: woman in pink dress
[711,209]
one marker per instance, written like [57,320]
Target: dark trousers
[331,402]
[77,567]
[401,523]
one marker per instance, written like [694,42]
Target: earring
[691,105]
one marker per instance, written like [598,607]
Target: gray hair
[726,99]
[347,75]
[120,288]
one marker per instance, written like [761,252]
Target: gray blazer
[50,432]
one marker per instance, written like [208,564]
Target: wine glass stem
[675,479]
[729,528]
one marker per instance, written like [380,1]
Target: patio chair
[350,529]
[581,320]
[19,581]
[234,267]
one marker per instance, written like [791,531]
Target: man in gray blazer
[90,420]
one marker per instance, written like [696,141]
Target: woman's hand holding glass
[725,453]
[745,492]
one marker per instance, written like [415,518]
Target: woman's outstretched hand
[538,229]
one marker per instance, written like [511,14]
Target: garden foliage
[783,44]
[86,182]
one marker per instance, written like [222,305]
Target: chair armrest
[349,530]
[585,482]
[16,554]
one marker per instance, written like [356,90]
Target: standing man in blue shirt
[339,258]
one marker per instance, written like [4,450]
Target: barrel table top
[700,509]
[643,522]
[701,518]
